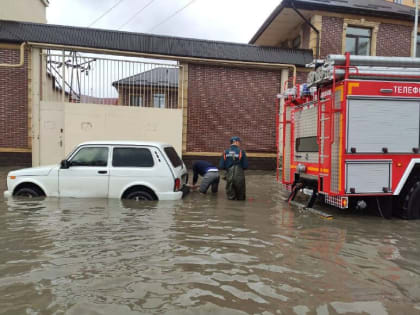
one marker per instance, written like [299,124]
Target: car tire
[28,192]
[411,206]
[139,195]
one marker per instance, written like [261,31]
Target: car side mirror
[65,164]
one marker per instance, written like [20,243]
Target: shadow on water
[203,254]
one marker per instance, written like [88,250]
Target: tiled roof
[11,31]
[156,76]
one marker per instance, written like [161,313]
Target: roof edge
[327,8]
[268,21]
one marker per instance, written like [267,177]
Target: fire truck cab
[351,135]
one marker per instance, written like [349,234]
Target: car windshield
[173,156]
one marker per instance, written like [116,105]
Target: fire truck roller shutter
[374,124]
[364,177]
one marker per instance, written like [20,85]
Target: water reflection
[203,255]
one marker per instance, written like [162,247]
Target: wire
[135,14]
[105,13]
[171,16]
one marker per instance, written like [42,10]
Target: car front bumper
[7,194]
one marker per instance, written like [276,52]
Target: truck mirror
[65,164]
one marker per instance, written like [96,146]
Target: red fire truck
[351,135]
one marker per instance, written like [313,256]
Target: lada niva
[106,169]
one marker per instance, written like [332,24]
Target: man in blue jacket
[234,161]
[210,175]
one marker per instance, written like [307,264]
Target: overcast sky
[226,20]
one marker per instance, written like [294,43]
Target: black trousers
[235,183]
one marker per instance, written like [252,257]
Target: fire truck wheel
[411,207]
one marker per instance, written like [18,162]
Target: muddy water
[203,255]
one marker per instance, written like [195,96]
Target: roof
[12,31]
[156,76]
[378,8]
[125,143]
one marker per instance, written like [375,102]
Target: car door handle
[102,172]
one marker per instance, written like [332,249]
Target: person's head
[235,141]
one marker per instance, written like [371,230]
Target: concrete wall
[23,10]
[64,125]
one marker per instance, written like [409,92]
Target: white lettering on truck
[406,89]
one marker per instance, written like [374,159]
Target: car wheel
[139,195]
[411,207]
[28,192]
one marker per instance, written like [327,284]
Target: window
[358,41]
[136,100]
[173,156]
[159,100]
[132,157]
[93,156]
[306,144]
[398,1]
[418,46]
[296,43]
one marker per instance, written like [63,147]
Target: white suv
[107,169]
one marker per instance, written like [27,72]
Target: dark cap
[233,139]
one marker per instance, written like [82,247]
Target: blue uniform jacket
[232,156]
[201,168]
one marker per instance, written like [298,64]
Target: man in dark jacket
[234,161]
[210,175]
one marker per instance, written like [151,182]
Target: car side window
[173,156]
[132,157]
[90,156]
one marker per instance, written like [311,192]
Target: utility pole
[416,20]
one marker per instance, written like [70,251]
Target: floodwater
[203,255]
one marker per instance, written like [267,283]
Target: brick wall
[13,101]
[224,101]
[393,40]
[254,163]
[332,36]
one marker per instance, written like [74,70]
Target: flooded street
[202,255]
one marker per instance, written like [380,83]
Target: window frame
[297,144]
[131,147]
[417,46]
[140,97]
[297,42]
[160,97]
[177,157]
[357,37]
[77,150]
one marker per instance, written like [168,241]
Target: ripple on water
[203,255]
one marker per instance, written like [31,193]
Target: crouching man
[210,175]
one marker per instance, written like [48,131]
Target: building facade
[222,89]
[376,28]
[410,3]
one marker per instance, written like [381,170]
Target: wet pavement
[203,255]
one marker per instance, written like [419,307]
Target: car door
[136,165]
[87,175]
